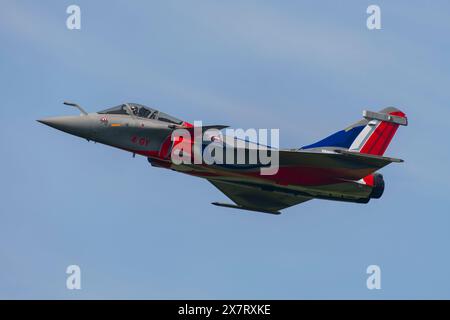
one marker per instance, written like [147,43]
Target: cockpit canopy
[141,111]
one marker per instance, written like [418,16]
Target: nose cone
[80,126]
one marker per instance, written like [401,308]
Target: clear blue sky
[306,67]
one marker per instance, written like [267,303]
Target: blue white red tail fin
[370,135]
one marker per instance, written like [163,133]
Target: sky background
[306,67]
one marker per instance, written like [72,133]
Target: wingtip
[234,206]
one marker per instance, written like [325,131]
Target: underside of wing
[255,198]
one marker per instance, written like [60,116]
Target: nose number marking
[140,140]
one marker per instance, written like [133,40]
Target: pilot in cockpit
[134,109]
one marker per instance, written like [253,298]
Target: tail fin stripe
[380,139]
[373,138]
[390,132]
[362,138]
[390,136]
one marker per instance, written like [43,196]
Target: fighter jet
[340,167]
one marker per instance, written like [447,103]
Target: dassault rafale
[341,167]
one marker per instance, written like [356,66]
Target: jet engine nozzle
[378,187]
